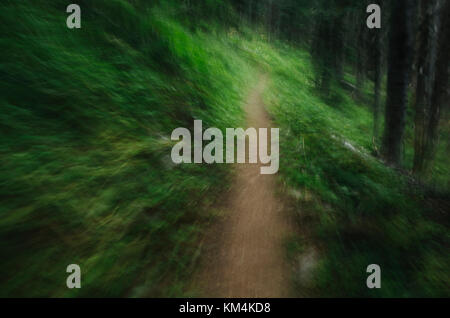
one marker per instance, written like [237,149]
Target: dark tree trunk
[269,8]
[360,58]
[277,17]
[337,45]
[378,61]
[400,56]
[250,11]
[321,54]
[425,78]
[328,48]
[441,86]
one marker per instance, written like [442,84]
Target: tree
[440,95]
[376,57]
[399,61]
[426,60]
[361,56]
[328,47]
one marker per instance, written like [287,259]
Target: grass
[86,175]
[362,212]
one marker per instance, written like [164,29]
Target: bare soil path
[245,254]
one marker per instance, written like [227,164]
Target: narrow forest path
[245,253]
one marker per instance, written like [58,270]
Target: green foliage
[86,117]
[364,212]
[86,175]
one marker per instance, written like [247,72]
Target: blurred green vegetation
[86,175]
[86,117]
[356,210]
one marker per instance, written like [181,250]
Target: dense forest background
[86,116]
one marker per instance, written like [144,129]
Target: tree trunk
[441,86]
[377,49]
[269,8]
[425,78]
[360,57]
[399,61]
[377,87]
[337,41]
[250,11]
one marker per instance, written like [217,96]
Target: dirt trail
[245,257]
